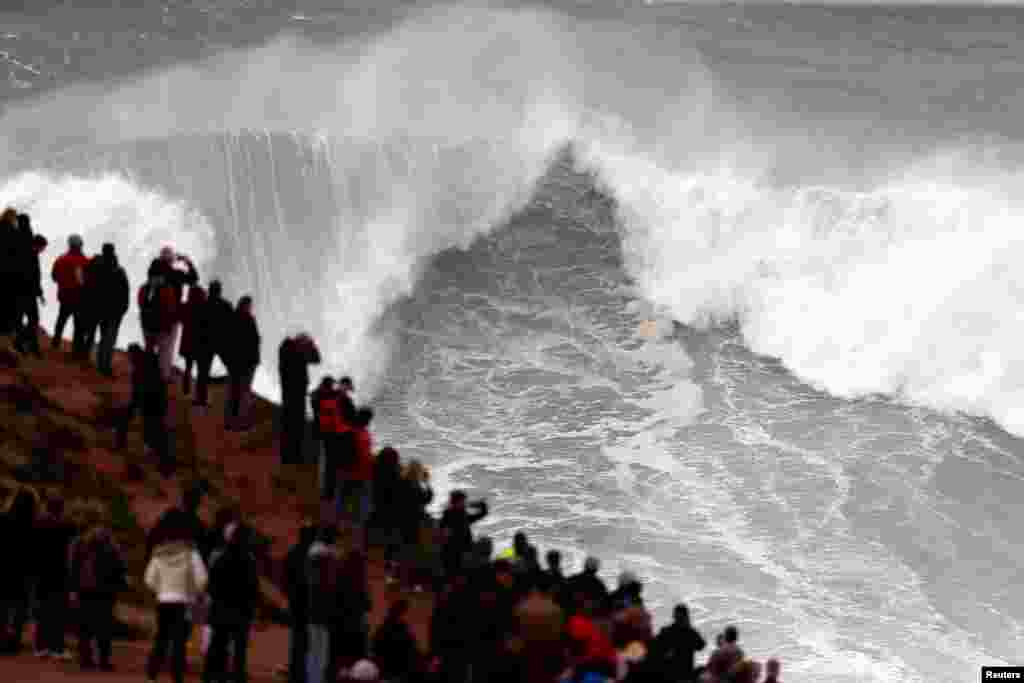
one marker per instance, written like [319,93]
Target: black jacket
[293,363]
[296,567]
[52,541]
[212,328]
[108,290]
[394,648]
[234,586]
[149,390]
[97,568]
[458,524]
[675,647]
[245,340]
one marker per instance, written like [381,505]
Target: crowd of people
[497,617]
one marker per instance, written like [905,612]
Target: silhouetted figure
[54,535]
[294,357]
[297,582]
[728,654]
[149,397]
[457,530]
[8,270]
[191,316]
[629,592]
[587,585]
[388,517]
[324,575]
[98,574]
[242,363]
[160,303]
[211,338]
[350,627]
[772,671]
[177,576]
[29,287]
[17,527]
[108,297]
[234,589]
[69,273]
[676,645]
[394,645]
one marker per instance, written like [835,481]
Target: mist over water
[479,211]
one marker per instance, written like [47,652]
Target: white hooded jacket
[176,574]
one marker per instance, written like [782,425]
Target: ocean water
[727,295]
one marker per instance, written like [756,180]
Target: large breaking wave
[410,143]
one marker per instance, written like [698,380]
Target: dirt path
[267,651]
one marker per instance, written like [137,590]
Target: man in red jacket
[69,274]
[357,475]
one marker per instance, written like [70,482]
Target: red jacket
[69,274]
[362,463]
[591,644]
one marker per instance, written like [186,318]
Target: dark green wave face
[725,295]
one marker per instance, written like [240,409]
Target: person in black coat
[29,290]
[394,645]
[98,574]
[234,589]
[294,357]
[242,364]
[17,528]
[149,397]
[9,277]
[54,535]
[108,297]
[297,582]
[675,646]
[457,528]
[211,338]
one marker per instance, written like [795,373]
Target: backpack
[150,306]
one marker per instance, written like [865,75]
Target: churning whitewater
[670,304]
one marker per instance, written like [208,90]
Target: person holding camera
[160,305]
[457,530]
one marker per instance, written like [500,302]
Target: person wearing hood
[234,590]
[69,273]
[109,295]
[294,357]
[177,575]
[98,574]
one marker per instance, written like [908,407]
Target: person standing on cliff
[69,273]
[108,298]
[191,315]
[242,365]
[294,357]
[29,290]
[210,335]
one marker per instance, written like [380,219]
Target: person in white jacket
[178,577]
